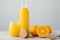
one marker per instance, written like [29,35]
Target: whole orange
[32,30]
[50,28]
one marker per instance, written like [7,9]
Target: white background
[41,12]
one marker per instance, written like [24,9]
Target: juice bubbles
[23,17]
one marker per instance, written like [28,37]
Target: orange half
[42,31]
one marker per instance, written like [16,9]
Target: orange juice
[23,18]
[13,29]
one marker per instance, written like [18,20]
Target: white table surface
[4,36]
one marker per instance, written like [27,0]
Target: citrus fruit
[42,31]
[33,30]
[24,33]
[50,29]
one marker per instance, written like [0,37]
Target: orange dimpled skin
[50,29]
[42,31]
[33,30]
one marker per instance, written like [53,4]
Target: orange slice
[33,30]
[42,31]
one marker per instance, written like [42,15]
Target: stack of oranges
[41,31]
